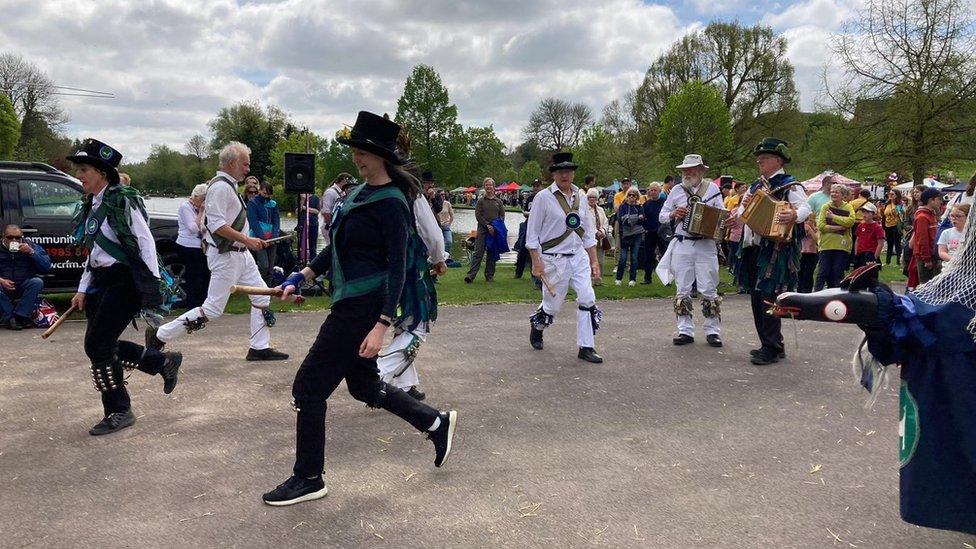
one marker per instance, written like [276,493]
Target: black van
[42,199]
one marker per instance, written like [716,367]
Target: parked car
[42,200]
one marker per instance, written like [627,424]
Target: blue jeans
[27,291]
[629,246]
[448,239]
[830,269]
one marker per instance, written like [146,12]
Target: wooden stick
[280,239]
[545,282]
[57,323]
[273,292]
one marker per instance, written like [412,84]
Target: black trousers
[808,266]
[196,275]
[893,239]
[334,356]
[768,327]
[110,306]
[479,254]
[652,245]
[521,260]
[830,268]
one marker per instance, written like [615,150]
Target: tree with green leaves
[529,171]
[485,153]
[258,128]
[909,82]
[696,120]
[746,65]
[425,111]
[9,128]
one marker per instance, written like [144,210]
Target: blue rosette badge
[574,221]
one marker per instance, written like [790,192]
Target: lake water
[464,221]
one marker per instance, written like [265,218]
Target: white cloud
[173,64]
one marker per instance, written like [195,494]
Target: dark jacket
[652,210]
[487,210]
[261,210]
[628,218]
[19,266]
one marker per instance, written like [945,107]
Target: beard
[691,180]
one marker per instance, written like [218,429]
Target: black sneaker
[265,354]
[296,490]
[756,352]
[153,342]
[535,338]
[468,279]
[112,423]
[443,437]
[13,324]
[683,339]
[416,394]
[171,369]
[714,340]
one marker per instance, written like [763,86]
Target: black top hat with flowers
[427,176]
[771,145]
[375,134]
[562,161]
[100,156]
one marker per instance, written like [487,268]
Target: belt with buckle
[559,255]
[682,238]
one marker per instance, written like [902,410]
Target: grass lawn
[452,290]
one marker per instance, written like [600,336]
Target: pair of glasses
[17,238]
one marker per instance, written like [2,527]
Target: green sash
[342,288]
[564,204]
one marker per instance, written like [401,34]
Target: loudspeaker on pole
[299,173]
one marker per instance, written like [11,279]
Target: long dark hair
[405,177]
[897,194]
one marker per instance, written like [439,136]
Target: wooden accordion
[706,221]
[760,216]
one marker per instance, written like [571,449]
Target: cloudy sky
[173,64]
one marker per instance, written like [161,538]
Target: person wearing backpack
[121,278]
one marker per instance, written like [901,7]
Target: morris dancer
[693,258]
[226,243]
[121,277]
[397,363]
[770,267]
[561,240]
[370,260]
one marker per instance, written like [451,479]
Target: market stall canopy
[814,183]
[509,187]
[928,182]
[459,190]
[524,188]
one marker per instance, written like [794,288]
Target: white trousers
[563,273]
[226,270]
[696,261]
[396,366]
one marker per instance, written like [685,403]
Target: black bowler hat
[771,145]
[375,134]
[100,156]
[427,176]
[562,161]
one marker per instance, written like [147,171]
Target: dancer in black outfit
[121,277]
[371,275]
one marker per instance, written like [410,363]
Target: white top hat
[691,161]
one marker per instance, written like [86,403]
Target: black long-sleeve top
[369,240]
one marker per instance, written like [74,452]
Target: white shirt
[189,231]
[678,197]
[329,199]
[548,221]
[100,258]
[222,206]
[795,196]
[429,230]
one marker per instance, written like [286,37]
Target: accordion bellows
[760,216]
[704,220]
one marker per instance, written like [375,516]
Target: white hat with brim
[691,161]
[869,207]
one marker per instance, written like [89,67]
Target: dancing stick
[545,282]
[273,292]
[57,323]
[280,239]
